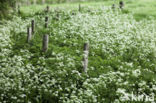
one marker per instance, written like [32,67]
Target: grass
[141,9]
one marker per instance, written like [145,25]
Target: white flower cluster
[121,59]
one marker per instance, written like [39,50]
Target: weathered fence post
[33,26]
[113,6]
[45,42]
[79,7]
[58,16]
[18,9]
[47,9]
[46,21]
[29,34]
[121,4]
[85,58]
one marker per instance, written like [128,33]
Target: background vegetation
[5,6]
[140,9]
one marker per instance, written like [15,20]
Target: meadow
[140,9]
[122,54]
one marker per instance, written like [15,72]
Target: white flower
[136,72]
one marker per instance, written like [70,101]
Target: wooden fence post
[121,4]
[45,42]
[18,9]
[47,9]
[29,34]
[85,58]
[79,7]
[46,21]
[58,16]
[113,6]
[33,26]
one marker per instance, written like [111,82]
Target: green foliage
[121,57]
[5,6]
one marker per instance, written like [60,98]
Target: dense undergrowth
[121,58]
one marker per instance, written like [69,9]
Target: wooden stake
[46,21]
[79,7]
[113,6]
[33,26]
[85,58]
[29,35]
[47,9]
[57,16]
[121,4]
[19,9]
[45,42]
